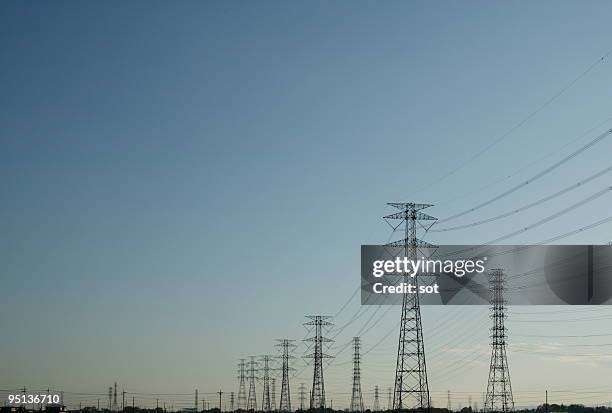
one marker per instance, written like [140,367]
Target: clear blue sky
[183,181]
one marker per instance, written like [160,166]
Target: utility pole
[286,347]
[252,400]
[319,323]
[220,393]
[411,387]
[448,401]
[242,398]
[499,389]
[356,396]
[546,401]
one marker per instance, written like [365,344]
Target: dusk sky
[182,182]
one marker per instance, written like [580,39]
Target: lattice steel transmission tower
[265,402]
[252,400]
[302,396]
[319,323]
[411,387]
[273,393]
[286,347]
[232,402]
[356,396]
[115,407]
[499,389]
[242,397]
[376,407]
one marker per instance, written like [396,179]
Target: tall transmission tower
[356,396]
[232,402]
[302,396]
[499,389]
[115,398]
[110,398]
[242,397]
[317,394]
[252,400]
[286,347]
[411,387]
[273,393]
[376,407]
[265,402]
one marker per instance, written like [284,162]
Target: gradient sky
[183,181]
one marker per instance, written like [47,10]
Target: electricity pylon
[411,387]
[356,396]
[242,397]
[317,394]
[286,346]
[376,407]
[499,389]
[252,400]
[265,402]
[273,393]
[302,396]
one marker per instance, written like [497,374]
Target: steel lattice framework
[356,396]
[317,394]
[242,397]
[411,387]
[252,400]
[266,405]
[376,407]
[302,396]
[499,389]
[286,347]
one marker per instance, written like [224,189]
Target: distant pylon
[356,396]
[232,402]
[448,401]
[265,402]
[376,407]
[242,397]
[110,398]
[411,387]
[252,399]
[115,398]
[317,394]
[302,396]
[273,393]
[389,398]
[499,389]
[286,347]
[197,404]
